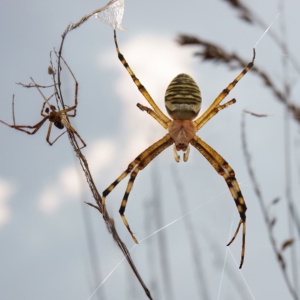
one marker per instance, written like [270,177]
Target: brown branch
[84,165]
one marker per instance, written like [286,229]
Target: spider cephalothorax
[182,132]
[55,117]
[183,102]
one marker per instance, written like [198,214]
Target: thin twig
[13,110]
[269,222]
[255,114]
[30,85]
[287,148]
[162,240]
[252,18]
[202,285]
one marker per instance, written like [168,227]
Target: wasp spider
[183,102]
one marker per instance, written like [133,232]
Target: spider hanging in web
[56,117]
[183,102]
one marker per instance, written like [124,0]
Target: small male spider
[183,101]
[58,118]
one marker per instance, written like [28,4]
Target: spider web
[113,15]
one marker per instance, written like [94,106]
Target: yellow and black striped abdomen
[183,98]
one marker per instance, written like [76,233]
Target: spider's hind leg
[134,167]
[222,167]
[156,149]
[125,199]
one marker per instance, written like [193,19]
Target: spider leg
[153,115]
[63,111]
[36,127]
[48,135]
[222,167]
[133,176]
[214,112]
[141,88]
[42,110]
[224,93]
[45,99]
[152,152]
[69,127]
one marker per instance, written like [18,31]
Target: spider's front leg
[209,113]
[140,87]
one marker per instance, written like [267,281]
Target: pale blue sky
[44,252]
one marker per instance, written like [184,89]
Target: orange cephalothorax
[182,131]
[183,98]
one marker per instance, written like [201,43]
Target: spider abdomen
[59,125]
[183,98]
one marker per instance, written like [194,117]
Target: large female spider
[183,101]
[56,117]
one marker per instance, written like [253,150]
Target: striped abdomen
[183,98]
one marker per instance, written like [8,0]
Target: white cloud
[6,190]
[49,200]
[70,182]
[101,154]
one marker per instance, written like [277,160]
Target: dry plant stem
[84,165]
[216,53]
[108,220]
[164,261]
[13,109]
[30,85]
[268,221]
[202,286]
[255,114]
[287,143]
